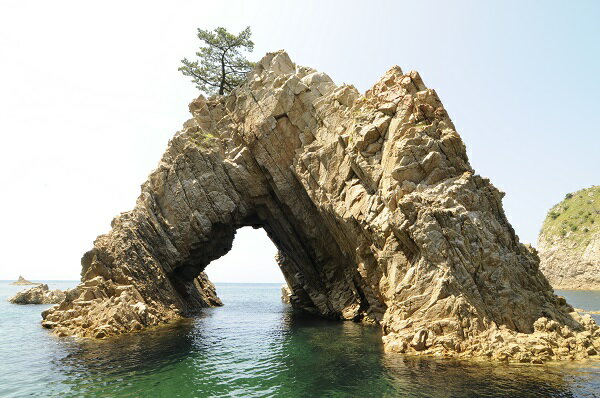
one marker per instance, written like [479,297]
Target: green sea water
[255,346]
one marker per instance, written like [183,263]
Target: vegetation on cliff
[569,242]
[221,66]
[576,219]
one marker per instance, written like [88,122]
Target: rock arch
[371,202]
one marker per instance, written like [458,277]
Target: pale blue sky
[90,95]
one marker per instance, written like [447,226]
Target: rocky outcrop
[23,281]
[40,294]
[286,294]
[372,203]
[569,241]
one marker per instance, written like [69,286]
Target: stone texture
[40,294]
[372,203]
[286,294]
[23,281]
[569,242]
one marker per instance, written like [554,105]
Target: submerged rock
[23,281]
[40,294]
[372,203]
[569,242]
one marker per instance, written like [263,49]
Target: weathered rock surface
[40,294]
[569,242]
[372,203]
[23,281]
[286,294]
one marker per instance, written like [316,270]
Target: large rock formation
[40,294]
[23,281]
[374,208]
[569,242]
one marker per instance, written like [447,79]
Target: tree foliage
[221,66]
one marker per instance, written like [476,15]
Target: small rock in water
[38,295]
[23,281]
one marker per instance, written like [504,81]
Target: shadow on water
[141,351]
[255,346]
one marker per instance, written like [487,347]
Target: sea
[256,346]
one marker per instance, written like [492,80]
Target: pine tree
[221,66]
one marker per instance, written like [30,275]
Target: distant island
[569,242]
[23,281]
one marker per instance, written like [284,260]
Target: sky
[90,95]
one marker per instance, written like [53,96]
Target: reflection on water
[256,346]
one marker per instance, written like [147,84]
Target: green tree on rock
[221,66]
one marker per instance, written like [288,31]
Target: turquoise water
[255,346]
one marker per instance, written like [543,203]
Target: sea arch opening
[250,260]
[249,251]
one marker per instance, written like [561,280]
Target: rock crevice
[371,202]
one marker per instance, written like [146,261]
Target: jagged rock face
[371,202]
[40,294]
[569,242]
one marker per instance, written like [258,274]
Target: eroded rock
[40,294]
[286,294]
[372,203]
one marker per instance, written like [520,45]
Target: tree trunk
[222,85]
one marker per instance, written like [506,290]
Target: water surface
[587,300]
[255,346]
